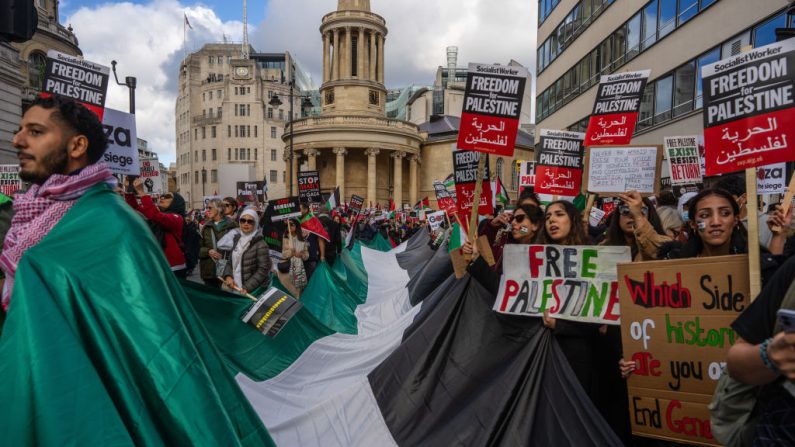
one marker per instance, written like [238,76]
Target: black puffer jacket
[256,264]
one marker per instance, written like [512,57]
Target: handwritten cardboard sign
[492,105]
[575,282]
[615,111]
[611,170]
[559,163]
[684,162]
[749,119]
[675,324]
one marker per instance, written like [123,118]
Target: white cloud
[146,41]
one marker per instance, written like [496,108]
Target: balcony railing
[204,120]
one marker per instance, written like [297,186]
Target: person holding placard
[499,228]
[563,225]
[636,224]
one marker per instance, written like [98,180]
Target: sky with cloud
[146,39]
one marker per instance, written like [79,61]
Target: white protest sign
[122,153]
[612,170]
[435,219]
[596,216]
[771,179]
[9,179]
[150,173]
[576,282]
[684,160]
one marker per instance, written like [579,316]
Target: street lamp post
[276,102]
[130,82]
[204,181]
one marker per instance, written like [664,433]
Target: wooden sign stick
[751,205]
[239,290]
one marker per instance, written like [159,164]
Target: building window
[687,9]
[273,154]
[237,131]
[195,156]
[633,36]
[214,176]
[196,177]
[204,155]
[646,115]
[218,110]
[284,176]
[649,25]
[215,154]
[765,33]
[499,168]
[204,133]
[255,131]
[329,96]
[212,60]
[273,132]
[229,131]
[256,154]
[212,131]
[667,18]
[685,88]
[219,94]
[229,154]
[270,112]
[210,96]
[281,114]
[709,58]
[237,153]
[662,99]
[373,97]
[195,134]
[274,176]
[236,110]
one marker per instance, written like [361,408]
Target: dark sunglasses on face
[226,205]
[167,196]
[247,221]
[518,218]
[624,210]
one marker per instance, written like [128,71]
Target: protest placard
[615,111]
[309,186]
[77,78]
[492,105]
[272,310]
[684,163]
[465,168]
[527,175]
[150,174]
[575,282]
[444,200]
[9,179]
[251,192]
[749,119]
[559,163]
[771,179]
[283,209]
[676,325]
[435,219]
[356,202]
[122,153]
[613,170]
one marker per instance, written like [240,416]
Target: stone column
[341,152]
[347,68]
[371,167]
[360,54]
[397,193]
[311,155]
[326,61]
[414,162]
[371,60]
[294,172]
[335,64]
[381,58]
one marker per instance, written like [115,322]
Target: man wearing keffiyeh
[100,344]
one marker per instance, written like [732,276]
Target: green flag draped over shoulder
[101,346]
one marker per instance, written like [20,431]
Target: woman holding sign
[563,225]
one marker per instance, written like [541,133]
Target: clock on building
[241,72]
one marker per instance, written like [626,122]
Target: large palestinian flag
[391,349]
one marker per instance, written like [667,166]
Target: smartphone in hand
[787,319]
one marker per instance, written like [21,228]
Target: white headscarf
[242,245]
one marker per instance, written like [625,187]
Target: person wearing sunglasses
[635,223]
[250,264]
[229,208]
[216,227]
[166,220]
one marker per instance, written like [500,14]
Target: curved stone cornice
[353,82]
[356,123]
[353,18]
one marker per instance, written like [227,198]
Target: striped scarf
[39,209]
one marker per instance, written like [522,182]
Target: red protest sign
[76,78]
[616,109]
[492,105]
[749,119]
[465,167]
[559,163]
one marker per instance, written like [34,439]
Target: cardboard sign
[574,282]
[615,112]
[272,311]
[444,200]
[150,173]
[122,153]
[465,168]
[356,202]
[684,163]
[76,78]
[771,179]
[749,119]
[251,192]
[527,175]
[309,186]
[9,179]
[610,171]
[492,105]
[559,163]
[283,209]
[676,325]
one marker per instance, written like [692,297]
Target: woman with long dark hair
[636,224]
[295,250]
